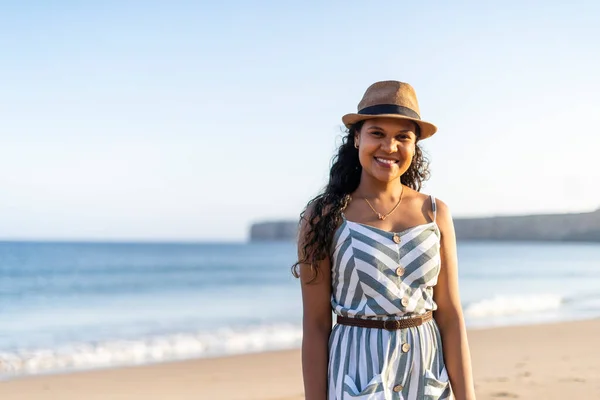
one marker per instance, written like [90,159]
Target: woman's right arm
[316,324]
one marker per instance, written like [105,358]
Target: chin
[385,177]
[391,179]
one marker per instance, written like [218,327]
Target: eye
[404,136]
[376,133]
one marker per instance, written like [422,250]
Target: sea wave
[78,356]
[511,305]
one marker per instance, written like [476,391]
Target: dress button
[400,271]
[398,388]
[405,347]
[396,238]
[404,301]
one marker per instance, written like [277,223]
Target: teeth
[385,161]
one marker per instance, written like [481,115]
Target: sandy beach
[552,361]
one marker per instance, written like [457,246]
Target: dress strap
[433,207]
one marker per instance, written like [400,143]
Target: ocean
[76,306]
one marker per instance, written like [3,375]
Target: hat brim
[427,128]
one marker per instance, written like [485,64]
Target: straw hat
[391,99]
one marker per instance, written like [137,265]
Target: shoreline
[7,377]
[550,361]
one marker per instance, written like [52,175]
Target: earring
[355,145]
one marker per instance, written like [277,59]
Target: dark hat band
[389,109]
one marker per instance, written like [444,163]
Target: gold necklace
[381,216]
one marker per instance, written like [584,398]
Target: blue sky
[183,121]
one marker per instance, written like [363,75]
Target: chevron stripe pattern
[378,274]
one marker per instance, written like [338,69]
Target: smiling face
[386,147]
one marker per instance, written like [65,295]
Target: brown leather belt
[390,325]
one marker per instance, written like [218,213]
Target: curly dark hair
[323,214]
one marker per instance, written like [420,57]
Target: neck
[372,188]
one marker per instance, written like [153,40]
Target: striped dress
[378,274]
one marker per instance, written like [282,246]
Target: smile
[385,162]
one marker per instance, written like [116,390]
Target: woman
[382,256]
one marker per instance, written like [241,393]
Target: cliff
[548,227]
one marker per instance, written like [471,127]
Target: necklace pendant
[381,217]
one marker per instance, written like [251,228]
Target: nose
[390,146]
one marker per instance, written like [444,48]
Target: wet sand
[553,361]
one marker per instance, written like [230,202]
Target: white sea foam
[149,350]
[512,305]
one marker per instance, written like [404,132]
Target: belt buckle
[395,324]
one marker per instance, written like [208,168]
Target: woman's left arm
[449,314]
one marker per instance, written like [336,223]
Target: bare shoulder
[417,198]
[444,218]
[443,210]
[424,202]
[313,264]
[311,215]
[307,218]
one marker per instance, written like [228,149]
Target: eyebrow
[402,131]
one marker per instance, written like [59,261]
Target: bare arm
[316,325]
[449,315]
